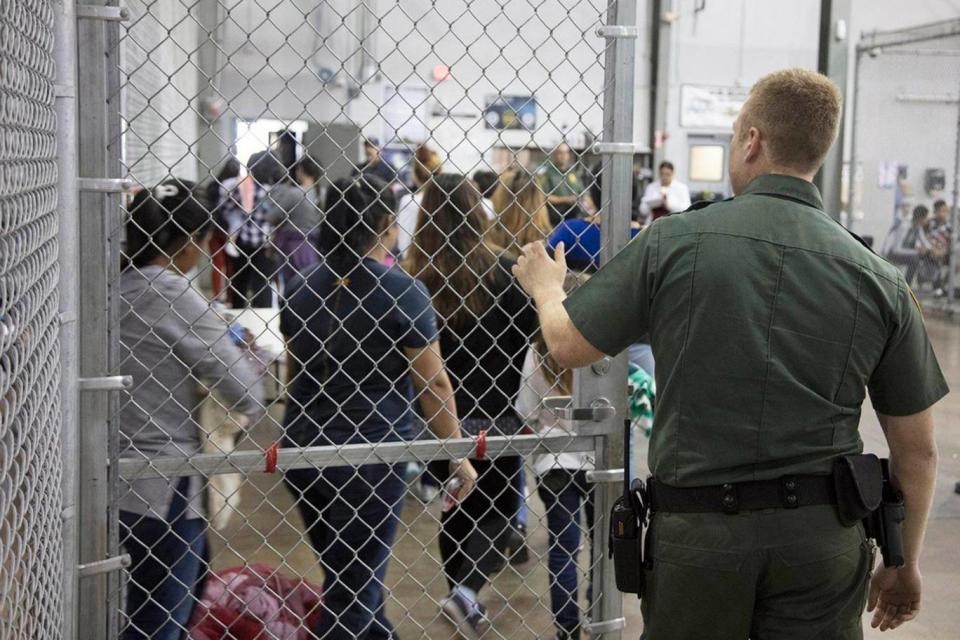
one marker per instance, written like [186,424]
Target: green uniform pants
[779,574]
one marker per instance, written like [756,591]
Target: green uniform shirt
[768,322]
[555,182]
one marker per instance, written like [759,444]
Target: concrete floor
[268,529]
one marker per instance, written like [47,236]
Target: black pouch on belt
[627,519]
[858,482]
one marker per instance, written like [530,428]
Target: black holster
[628,517]
[865,494]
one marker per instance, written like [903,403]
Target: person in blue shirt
[361,338]
[581,241]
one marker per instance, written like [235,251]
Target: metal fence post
[97,158]
[852,165]
[608,380]
[65,43]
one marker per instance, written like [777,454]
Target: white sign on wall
[710,107]
[404,113]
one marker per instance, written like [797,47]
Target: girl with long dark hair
[486,325]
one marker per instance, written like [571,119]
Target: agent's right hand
[464,470]
[894,596]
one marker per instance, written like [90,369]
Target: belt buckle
[729,501]
[790,492]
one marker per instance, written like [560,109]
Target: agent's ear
[753,144]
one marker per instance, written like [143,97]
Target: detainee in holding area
[171,343]
[362,341]
[769,322]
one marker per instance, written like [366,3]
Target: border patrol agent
[561,184]
[769,322]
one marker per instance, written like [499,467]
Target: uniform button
[792,499]
[728,487]
[791,484]
[728,500]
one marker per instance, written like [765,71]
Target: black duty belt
[788,492]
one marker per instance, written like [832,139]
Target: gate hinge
[103,566]
[103,12]
[104,185]
[598,476]
[618,31]
[605,626]
[105,383]
[628,148]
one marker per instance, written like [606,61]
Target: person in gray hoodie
[295,215]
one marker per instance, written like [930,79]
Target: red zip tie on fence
[271,464]
[482,444]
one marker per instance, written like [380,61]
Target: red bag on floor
[255,602]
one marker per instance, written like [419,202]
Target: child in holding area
[561,477]
[562,484]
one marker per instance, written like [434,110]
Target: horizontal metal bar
[626,148]
[598,476]
[605,626]
[104,185]
[618,31]
[209,464]
[928,98]
[106,383]
[101,12]
[909,35]
[103,566]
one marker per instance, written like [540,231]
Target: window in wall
[706,163]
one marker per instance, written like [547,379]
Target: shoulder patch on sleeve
[916,302]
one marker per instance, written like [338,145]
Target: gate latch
[103,566]
[605,626]
[598,411]
[597,476]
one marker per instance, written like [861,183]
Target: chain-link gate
[326,343]
[31,568]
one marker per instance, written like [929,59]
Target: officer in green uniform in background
[769,322]
[561,184]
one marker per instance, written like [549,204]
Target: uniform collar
[786,186]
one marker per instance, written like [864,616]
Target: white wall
[733,43]
[159,89]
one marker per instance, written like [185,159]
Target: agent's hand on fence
[463,470]
[894,596]
[538,273]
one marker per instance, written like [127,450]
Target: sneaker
[471,624]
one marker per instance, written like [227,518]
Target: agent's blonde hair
[797,111]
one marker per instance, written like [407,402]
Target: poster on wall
[510,112]
[710,107]
[403,112]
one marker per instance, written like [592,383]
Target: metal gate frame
[94,608]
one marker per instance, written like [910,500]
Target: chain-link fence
[905,186]
[327,346]
[30,464]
